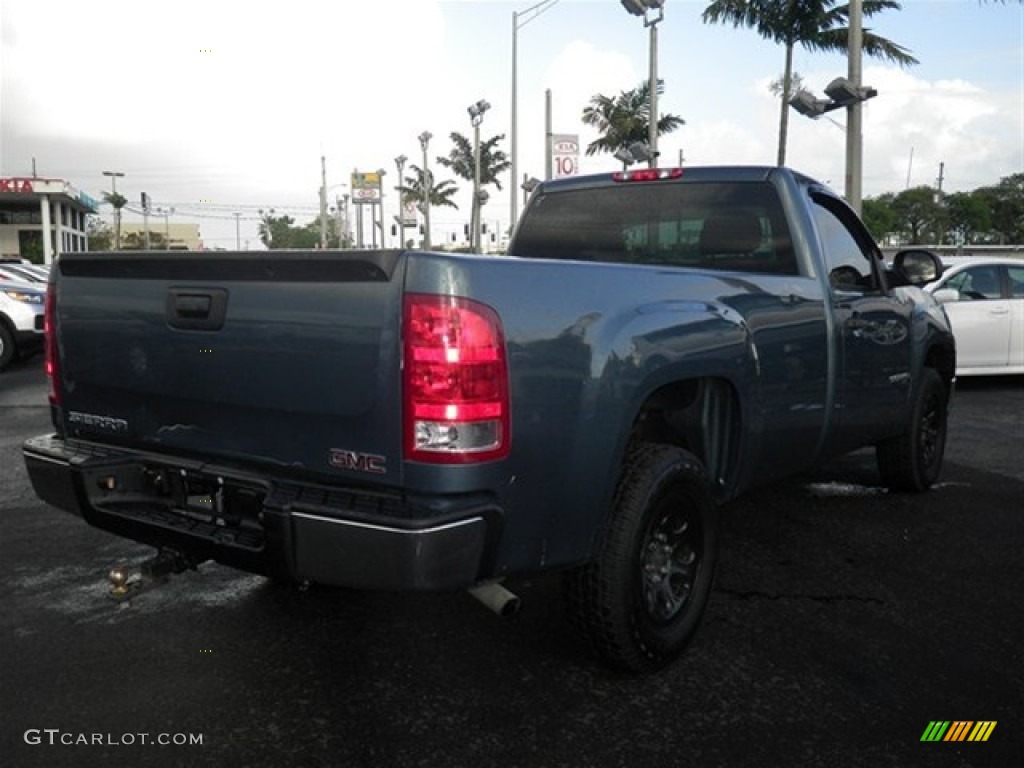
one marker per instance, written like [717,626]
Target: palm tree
[817,25]
[625,119]
[117,201]
[462,162]
[440,193]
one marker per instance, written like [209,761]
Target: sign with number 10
[565,154]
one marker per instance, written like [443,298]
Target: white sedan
[984,298]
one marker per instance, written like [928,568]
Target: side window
[848,249]
[977,283]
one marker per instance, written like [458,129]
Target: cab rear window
[725,226]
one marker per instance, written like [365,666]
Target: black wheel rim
[670,560]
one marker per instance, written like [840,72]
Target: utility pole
[323,202]
[238,231]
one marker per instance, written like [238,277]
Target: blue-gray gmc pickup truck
[655,343]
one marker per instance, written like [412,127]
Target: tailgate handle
[196,309]
[188,305]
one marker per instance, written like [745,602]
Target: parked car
[984,298]
[23,273]
[21,319]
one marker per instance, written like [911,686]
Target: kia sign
[565,154]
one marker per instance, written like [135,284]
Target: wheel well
[701,416]
[943,360]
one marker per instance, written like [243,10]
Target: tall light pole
[641,8]
[344,236]
[476,116]
[323,202]
[848,93]
[426,186]
[114,176]
[527,16]
[854,111]
[400,162]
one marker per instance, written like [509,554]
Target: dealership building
[42,218]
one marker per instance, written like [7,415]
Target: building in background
[42,218]
[181,236]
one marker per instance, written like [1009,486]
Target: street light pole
[323,202]
[400,164]
[652,130]
[528,15]
[426,185]
[114,176]
[476,116]
[641,8]
[854,112]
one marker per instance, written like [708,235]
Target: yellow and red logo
[958,730]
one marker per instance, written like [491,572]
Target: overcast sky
[217,107]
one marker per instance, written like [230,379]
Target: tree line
[992,215]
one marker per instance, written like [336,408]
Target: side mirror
[917,266]
[947,295]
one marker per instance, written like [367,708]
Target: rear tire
[913,461]
[640,600]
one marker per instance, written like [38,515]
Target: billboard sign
[366,187]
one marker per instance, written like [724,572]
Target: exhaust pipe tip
[498,599]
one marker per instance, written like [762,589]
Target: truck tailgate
[284,359]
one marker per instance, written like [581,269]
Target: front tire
[913,461]
[640,600]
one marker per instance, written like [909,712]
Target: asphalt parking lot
[844,621]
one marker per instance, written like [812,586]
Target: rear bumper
[265,525]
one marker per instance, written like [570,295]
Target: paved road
[843,622]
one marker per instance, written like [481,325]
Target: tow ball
[128,580]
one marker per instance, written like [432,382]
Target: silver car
[984,298]
[21,319]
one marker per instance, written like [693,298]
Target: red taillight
[50,339]
[455,381]
[648,174]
